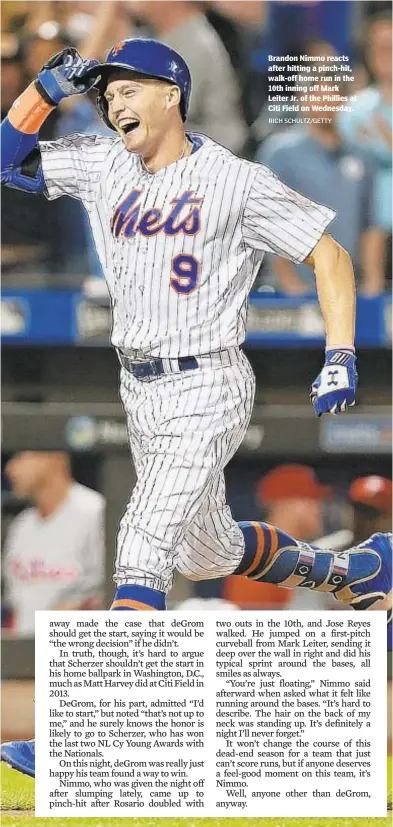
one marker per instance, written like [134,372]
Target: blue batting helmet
[147,57]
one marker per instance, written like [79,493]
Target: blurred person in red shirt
[371,498]
[294,501]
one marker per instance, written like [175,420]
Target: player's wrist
[44,94]
[49,86]
[346,348]
[340,355]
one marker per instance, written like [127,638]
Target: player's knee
[159,536]
[192,570]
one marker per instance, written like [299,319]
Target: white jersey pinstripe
[180,249]
[235,212]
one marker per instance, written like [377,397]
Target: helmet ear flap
[102,107]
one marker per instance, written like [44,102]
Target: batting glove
[334,389]
[64,75]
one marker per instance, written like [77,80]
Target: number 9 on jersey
[185,273]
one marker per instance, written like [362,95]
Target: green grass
[30,821]
[18,794]
[17,791]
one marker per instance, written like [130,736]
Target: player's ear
[173,96]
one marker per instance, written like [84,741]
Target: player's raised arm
[279,220]
[63,75]
[334,389]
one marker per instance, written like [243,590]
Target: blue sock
[259,542]
[138,598]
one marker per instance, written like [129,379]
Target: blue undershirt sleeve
[17,148]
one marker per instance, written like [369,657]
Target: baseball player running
[181,226]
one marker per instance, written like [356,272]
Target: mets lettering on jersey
[129,217]
[180,248]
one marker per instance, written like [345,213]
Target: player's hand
[65,74]
[334,389]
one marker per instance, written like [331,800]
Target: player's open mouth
[128,126]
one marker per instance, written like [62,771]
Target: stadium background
[60,377]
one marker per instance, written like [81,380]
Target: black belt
[157,367]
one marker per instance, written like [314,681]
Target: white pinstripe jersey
[180,248]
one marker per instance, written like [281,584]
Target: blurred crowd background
[66,472]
